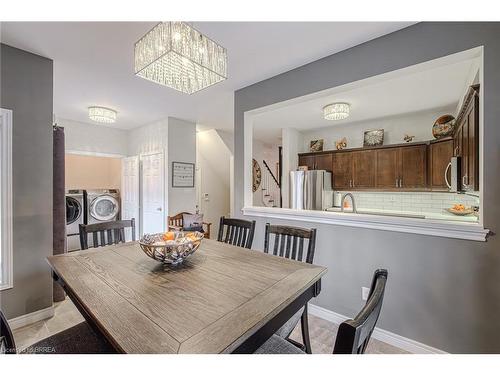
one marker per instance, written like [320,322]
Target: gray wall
[26,89]
[181,148]
[441,292]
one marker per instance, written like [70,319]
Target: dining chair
[236,232]
[176,223]
[7,344]
[106,233]
[353,334]
[79,339]
[289,242]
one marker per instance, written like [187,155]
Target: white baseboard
[35,316]
[393,339]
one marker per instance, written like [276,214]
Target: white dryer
[102,205]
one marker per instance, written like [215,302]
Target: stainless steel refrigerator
[311,190]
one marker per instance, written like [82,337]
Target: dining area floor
[66,315]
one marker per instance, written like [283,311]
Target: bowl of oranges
[460,210]
[171,247]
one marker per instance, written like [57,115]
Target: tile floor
[66,315]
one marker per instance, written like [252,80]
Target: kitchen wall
[86,138]
[92,172]
[442,292]
[418,124]
[26,87]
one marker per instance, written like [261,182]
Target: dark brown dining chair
[106,233]
[7,344]
[79,339]
[236,232]
[289,242]
[176,223]
[353,335]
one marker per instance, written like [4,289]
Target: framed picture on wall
[373,138]
[316,145]
[182,174]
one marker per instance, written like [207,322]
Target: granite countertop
[446,216]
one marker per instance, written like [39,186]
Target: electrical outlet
[364,293]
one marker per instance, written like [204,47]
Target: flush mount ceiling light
[102,114]
[176,55]
[336,111]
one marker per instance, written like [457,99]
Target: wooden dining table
[222,299]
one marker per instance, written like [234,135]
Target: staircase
[270,188]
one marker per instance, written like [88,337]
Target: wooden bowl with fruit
[460,210]
[171,247]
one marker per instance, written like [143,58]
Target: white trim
[91,153]
[6,213]
[429,227]
[390,338]
[35,316]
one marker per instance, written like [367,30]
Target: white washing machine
[102,205]
[75,215]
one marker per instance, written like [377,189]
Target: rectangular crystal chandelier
[176,55]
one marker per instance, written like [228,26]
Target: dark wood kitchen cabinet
[402,167]
[387,171]
[440,153]
[466,139]
[321,161]
[342,170]
[324,162]
[307,160]
[413,167]
[363,169]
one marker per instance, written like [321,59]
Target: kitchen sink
[413,216]
[379,213]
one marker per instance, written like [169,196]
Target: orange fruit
[168,236]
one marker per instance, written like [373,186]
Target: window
[6,199]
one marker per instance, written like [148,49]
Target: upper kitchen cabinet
[387,174]
[342,170]
[308,161]
[413,167]
[440,153]
[363,169]
[320,161]
[401,167]
[324,162]
[466,139]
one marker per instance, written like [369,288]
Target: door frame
[137,188]
[164,183]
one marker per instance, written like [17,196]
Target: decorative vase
[443,126]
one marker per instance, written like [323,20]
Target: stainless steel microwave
[454,169]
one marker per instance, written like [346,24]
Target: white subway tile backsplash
[412,201]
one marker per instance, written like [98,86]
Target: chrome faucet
[352,200]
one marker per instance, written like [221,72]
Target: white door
[130,193]
[153,193]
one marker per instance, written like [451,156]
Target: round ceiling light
[102,114]
[336,111]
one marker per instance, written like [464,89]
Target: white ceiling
[409,90]
[93,64]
